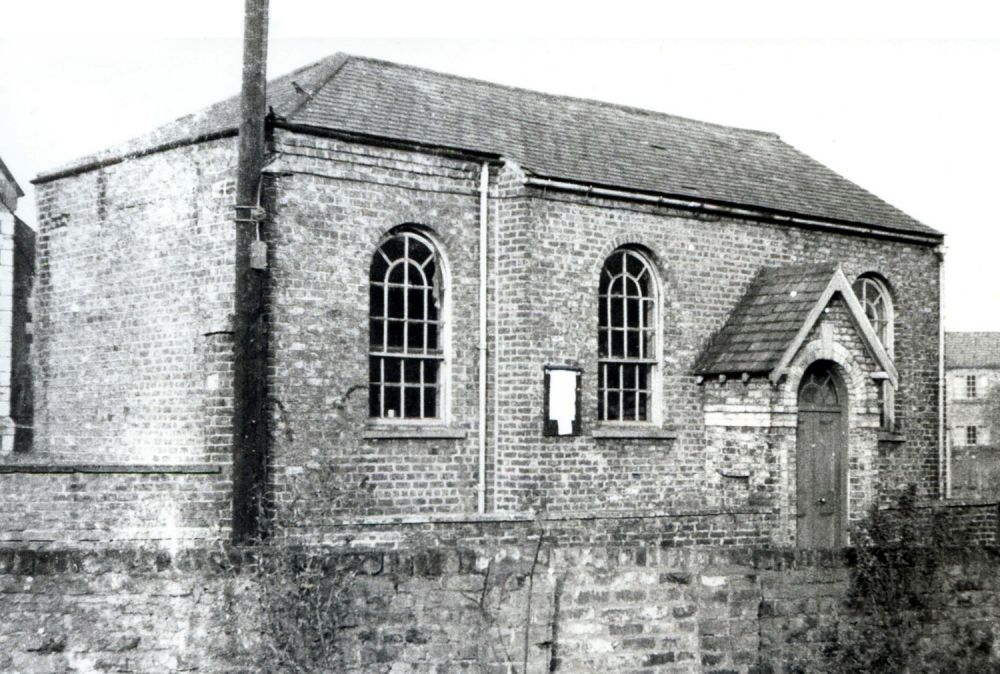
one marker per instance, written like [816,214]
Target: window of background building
[970,386]
[971,435]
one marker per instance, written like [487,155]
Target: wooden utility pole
[249,328]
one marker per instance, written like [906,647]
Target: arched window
[406,354]
[877,303]
[875,299]
[627,338]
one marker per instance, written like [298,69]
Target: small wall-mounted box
[562,400]
[258,255]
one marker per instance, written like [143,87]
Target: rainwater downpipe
[944,451]
[496,351]
[484,182]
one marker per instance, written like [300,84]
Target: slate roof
[971,349]
[570,139]
[766,320]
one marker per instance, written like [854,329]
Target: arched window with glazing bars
[627,338]
[873,293]
[406,357]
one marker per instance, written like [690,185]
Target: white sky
[902,101]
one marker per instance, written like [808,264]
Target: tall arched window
[628,326]
[873,293]
[406,354]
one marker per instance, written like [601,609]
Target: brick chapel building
[479,303]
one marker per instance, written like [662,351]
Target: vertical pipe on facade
[248,349]
[496,348]
[944,451]
[8,223]
[484,182]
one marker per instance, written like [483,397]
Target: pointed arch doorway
[821,462]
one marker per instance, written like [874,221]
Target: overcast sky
[904,103]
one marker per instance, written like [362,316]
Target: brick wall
[977,520]
[88,507]
[132,353]
[705,265]
[135,268]
[334,203]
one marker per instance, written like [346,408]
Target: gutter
[386,141]
[119,158]
[731,210]
[272,123]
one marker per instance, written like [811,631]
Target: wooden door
[821,468]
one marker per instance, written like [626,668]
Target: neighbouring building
[972,371]
[480,304]
[17,268]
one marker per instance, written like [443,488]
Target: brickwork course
[975,466]
[134,302]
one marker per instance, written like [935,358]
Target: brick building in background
[482,304]
[972,380]
[17,269]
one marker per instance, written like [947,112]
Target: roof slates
[972,349]
[556,137]
[766,320]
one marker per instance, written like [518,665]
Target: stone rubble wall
[442,606]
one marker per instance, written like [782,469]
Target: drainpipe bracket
[249,213]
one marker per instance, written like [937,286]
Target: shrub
[896,595]
[292,600]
